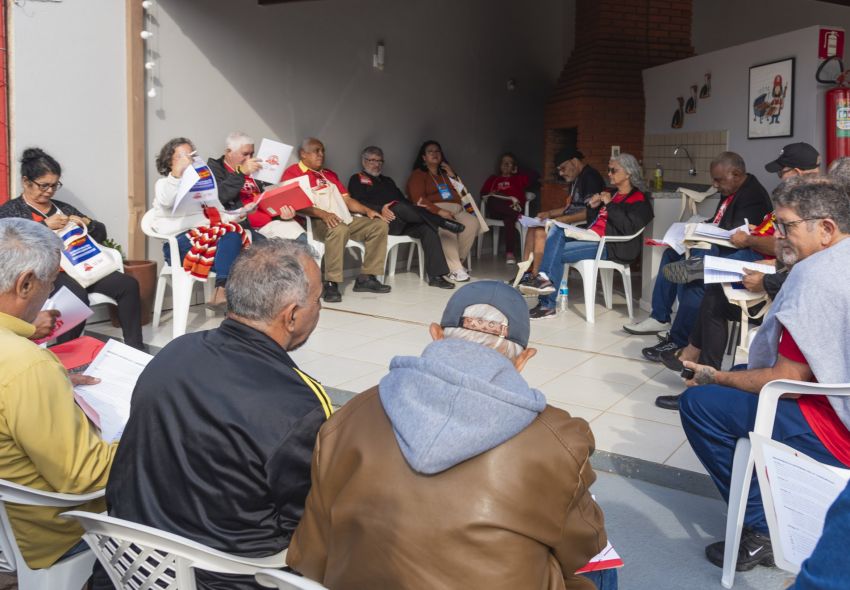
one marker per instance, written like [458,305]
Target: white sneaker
[648,326]
[458,276]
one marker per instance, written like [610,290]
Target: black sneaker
[538,286]
[653,353]
[440,282]
[684,271]
[538,312]
[330,293]
[668,402]
[670,359]
[526,279]
[371,284]
[755,550]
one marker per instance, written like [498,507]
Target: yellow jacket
[46,443]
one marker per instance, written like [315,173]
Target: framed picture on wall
[770,109]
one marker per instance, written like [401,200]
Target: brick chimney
[598,100]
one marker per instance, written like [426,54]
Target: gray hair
[305,143]
[267,277]
[631,167]
[731,160]
[371,150]
[27,246]
[839,171]
[491,314]
[816,197]
[236,140]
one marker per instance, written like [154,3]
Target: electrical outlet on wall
[615,151]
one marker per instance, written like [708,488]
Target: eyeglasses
[46,186]
[374,160]
[612,170]
[782,226]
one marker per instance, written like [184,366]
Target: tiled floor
[591,370]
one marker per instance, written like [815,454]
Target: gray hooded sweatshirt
[456,401]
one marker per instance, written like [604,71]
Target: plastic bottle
[563,296]
[658,179]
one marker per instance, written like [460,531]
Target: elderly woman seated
[40,175]
[201,230]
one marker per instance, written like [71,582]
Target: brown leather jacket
[518,516]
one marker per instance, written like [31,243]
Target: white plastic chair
[392,255]
[68,574]
[495,224]
[99,298]
[137,557]
[589,269]
[286,581]
[742,466]
[181,282]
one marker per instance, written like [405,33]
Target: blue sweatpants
[559,251]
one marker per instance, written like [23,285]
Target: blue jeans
[604,579]
[714,417]
[559,251]
[228,248]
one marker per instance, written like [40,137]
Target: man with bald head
[334,224]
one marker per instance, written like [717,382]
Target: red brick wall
[600,90]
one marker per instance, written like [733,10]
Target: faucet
[692,171]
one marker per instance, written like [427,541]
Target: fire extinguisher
[837,113]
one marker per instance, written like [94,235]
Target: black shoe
[538,312]
[451,225]
[670,359]
[755,549]
[668,402]
[537,286]
[440,282]
[371,284]
[684,271]
[331,293]
[653,353]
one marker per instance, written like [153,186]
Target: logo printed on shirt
[365,180]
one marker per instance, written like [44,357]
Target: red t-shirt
[318,179]
[512,186]
[601,221]
[817,410]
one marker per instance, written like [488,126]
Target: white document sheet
[274,155]
[801,492]
[577,233]
[118,366]
[675,237]
[197,188]
[74,312]
[526,221]
[726,270]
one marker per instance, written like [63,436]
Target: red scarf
[198,262]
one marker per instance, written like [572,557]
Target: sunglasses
[782,226]
[613,171]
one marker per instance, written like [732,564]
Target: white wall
[729,108]
[68,89]
[295,70]
[724,23]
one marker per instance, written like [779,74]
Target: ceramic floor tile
[585,391]
[335,370]
[381,351]
[364,382]
[667,379]
[329,318]
[331,341]
[618,370]
[305,355]
[684,458]
[634,437]
[536,375]
[629,347]
[553,357]
[377,327]
[584,337]
[640,403]
[578,411]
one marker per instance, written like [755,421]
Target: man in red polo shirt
[334,224]
[804,337]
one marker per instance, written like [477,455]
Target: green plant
[110,243]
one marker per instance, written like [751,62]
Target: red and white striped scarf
[198,262]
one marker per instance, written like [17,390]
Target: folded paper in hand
[708,232]
[274,156]
[674,238]
[727,270]
[72,310]
[293,193]
[577,233]
[526,221]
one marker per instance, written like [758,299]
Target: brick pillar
[600,90]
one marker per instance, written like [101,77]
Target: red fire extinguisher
[837,114]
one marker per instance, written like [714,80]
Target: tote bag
[83,259]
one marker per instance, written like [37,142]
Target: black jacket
[624,219]
[18,208]
[588,183]
[219,444]
[374,191]
[229,184]
[751,202]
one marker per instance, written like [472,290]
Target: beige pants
[456,247]
[372,232]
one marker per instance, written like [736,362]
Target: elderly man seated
[334,224]
[223,423]
[806,337]
[453,472]
[380,193]
[46,442]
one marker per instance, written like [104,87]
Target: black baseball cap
[568,154]
[498,294]
[795,155]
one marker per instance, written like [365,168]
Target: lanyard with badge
[445,191]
